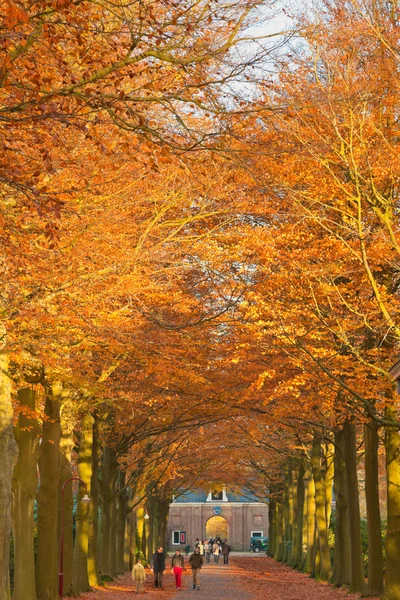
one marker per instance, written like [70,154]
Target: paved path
[217,582]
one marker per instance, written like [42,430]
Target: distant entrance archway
[217,527]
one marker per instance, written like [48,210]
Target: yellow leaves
[259,383]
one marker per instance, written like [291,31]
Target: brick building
[201,515]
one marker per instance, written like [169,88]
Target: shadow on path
[217,582]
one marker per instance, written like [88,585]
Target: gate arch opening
[217,527]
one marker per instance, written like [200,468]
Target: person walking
[207,550]
[226,549]
[139,576]
[157,563]
[196,562]
[177,566]
[215,551]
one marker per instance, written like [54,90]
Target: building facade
[200,515]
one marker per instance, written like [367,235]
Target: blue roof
[192,497]
[200,496]
[248,497]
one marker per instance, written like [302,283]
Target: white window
[257,534]
[215,496]
[178,538]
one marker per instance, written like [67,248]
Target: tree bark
[305,524]
[81,578]
[113,532]
[93,545]
[392,571]
[329,477]
[24,489]
[149,527]
[164,511]
[325,570]
[128,543]
[145,539]
[122,499]
[140,513]
[279,545]
[357,580]
[48,500]
[286,516]
[293,514]
[310,491]
[271,526]
[375,555]
[8,453]
[68,421]
[341,565]
[108,475]
[297,550]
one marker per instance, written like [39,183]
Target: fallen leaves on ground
[124,587]
[261,576]
[265,578]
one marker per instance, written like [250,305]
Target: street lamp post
[85,499]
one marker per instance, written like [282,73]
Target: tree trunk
[305,525]
[310,490]
[48,501]
[271,526]
[317,554]
[149,526]
[108,475]
[68,420]
[293,514]
[93,545]
[329,477]
[140,532]
[113,533]
[297,550]
[375,558]
[128,543]
[392,571]
[341,566]
[279,532]
[164,511]
[357,581]
[105,561]
[145,539]
[8,453]
[321,518]
[122,500]
[24,489]
[81,578]
[286,516]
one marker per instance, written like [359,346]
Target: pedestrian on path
[216,551]
[226,551]
[157,563]
[177,566]
[196,562]
[139,576]
[207,550]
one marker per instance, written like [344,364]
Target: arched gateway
[200,515]
[217,527]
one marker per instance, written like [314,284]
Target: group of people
[216,547]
